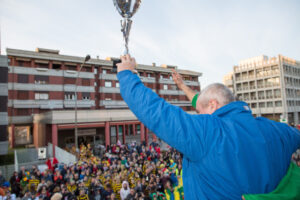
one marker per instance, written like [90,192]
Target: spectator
[56,196]
[125,191]
[2,179]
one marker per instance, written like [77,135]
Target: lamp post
[87,58]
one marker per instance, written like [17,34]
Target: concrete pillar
[107,134]
[146,136]
[123,134]
[50,64]
[142,132]
[296,118]
[133,129]
[117,132]
[36,134]
[154,138]
[54,138]
[12,127]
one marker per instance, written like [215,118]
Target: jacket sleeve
[179,129]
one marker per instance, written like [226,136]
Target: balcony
[171,92]
[147,79]
[80,103]
[109,90]
[71,88]
[74,74]
[108,76]
[42,104]
[166,81]
[113,104]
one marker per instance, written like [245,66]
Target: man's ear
[213,105]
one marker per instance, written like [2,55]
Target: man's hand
[180,84]
[177,79]
[127,63]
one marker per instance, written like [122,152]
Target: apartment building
[42,98]
[271,87]
[228,81]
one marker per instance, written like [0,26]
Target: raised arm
[180,84]
[179,129]
[191,94]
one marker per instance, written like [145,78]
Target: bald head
[213,97]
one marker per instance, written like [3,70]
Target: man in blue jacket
[226,151]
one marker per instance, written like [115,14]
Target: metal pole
[87,58]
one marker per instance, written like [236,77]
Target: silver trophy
[126,8]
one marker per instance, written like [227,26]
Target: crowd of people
[123,172]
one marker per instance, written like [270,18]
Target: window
[120,130]
[269,104]
[86,96]
[108,84]
[261,95]
[24,63]
[3,74]
[117,84]
[104,71]
[71,67]
[269,94]
[3,104]
[56,66]
[138,129]
[262,104]
[41,96]
[173,87]
[69,95]
[277,93]
[22,78]
[278,103]
[95,70]
[149,75]
[42,65]
[87,69]
[253,105]
[41,79]
[165,87]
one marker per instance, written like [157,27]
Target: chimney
[42,50]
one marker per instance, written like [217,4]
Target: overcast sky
[204,36]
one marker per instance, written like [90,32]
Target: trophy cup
[126,8]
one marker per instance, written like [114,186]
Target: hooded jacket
[124,193]
[225,154]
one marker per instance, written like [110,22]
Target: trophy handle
[125,29]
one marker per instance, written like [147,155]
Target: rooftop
[49,54]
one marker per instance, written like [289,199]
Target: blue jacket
[226,154]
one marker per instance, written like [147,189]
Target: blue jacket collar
[233,108]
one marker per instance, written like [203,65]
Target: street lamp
[87,58]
